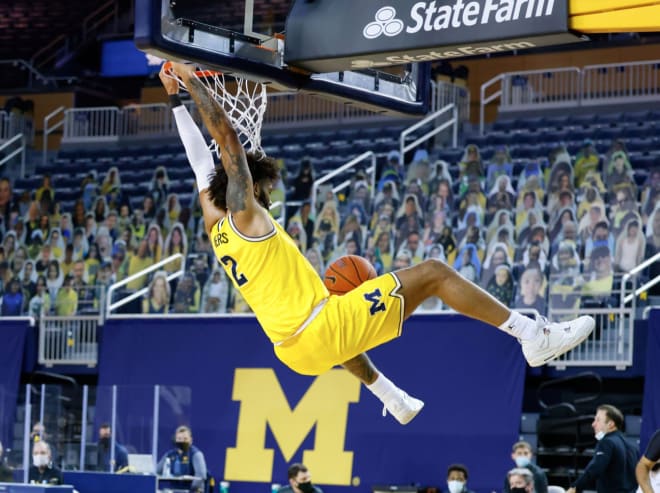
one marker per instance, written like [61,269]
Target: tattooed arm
[248,215]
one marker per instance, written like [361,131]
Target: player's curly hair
[260,168]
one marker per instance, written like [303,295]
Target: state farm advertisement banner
[324,36]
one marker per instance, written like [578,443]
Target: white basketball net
[245,105]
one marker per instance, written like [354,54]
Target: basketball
[347,273]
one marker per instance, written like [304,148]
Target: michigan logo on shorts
[374,298]
[264,403]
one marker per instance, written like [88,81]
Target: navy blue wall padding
[110,483]
[12,342]
[470,375]
[651,403]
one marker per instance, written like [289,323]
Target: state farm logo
[386,23]
[457,14]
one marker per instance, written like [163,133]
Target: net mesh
[243,100]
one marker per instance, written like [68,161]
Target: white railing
[145,120]
[68,340]
[628,297]
[452,122]
[91,124]
[284,110]
[625,82]
[445,93]
[110,305]
[10,125]
[572,87]
[49,128]
[611,342]
[14,147]
[371,170]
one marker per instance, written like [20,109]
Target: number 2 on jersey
[239,278]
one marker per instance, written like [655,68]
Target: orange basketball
[347,273]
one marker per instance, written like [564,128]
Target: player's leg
[541,341]
[402,406]
[362,368]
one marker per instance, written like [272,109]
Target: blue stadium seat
[557,121]
[583,119]
[505,125]
[611,118]
[637,116]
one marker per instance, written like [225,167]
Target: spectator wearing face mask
[457,476]
[42,470]
[104,451]
[522,455]
[520,480]
[184,460]
[612,468]
[300,481]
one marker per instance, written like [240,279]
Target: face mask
[455,486]
[522,461]
[182,445]
[599,435]
[105,442]
[40,460]
[517,490]
[306,487]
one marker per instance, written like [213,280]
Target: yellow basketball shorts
[346,326]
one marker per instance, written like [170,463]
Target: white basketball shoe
[555,339]
[402,406]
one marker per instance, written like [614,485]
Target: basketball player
[312,331]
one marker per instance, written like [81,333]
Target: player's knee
[438,270]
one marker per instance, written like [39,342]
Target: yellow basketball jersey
[275,279]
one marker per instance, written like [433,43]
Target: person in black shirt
[612,468]
[42,470]
[648,462]
[300,481]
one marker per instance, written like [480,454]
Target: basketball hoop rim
[167,68]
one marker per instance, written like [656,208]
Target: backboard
[223,35]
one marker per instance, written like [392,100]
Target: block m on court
[323,408]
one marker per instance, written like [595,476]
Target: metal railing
[145,120]
[64,44]
[68,340]
[611,342]
[572,86]
[49,128]
[110,305]
[452,122]
[91,124]
[625,82]
[10,125]
[627,298]
[34,75]
[371,170]
[285,110]
[14,147]
[445,93]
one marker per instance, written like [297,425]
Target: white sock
[382,387]
[520,326]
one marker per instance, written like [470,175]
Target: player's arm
[198,154]
[642,473]
[646,463]
[250,218]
